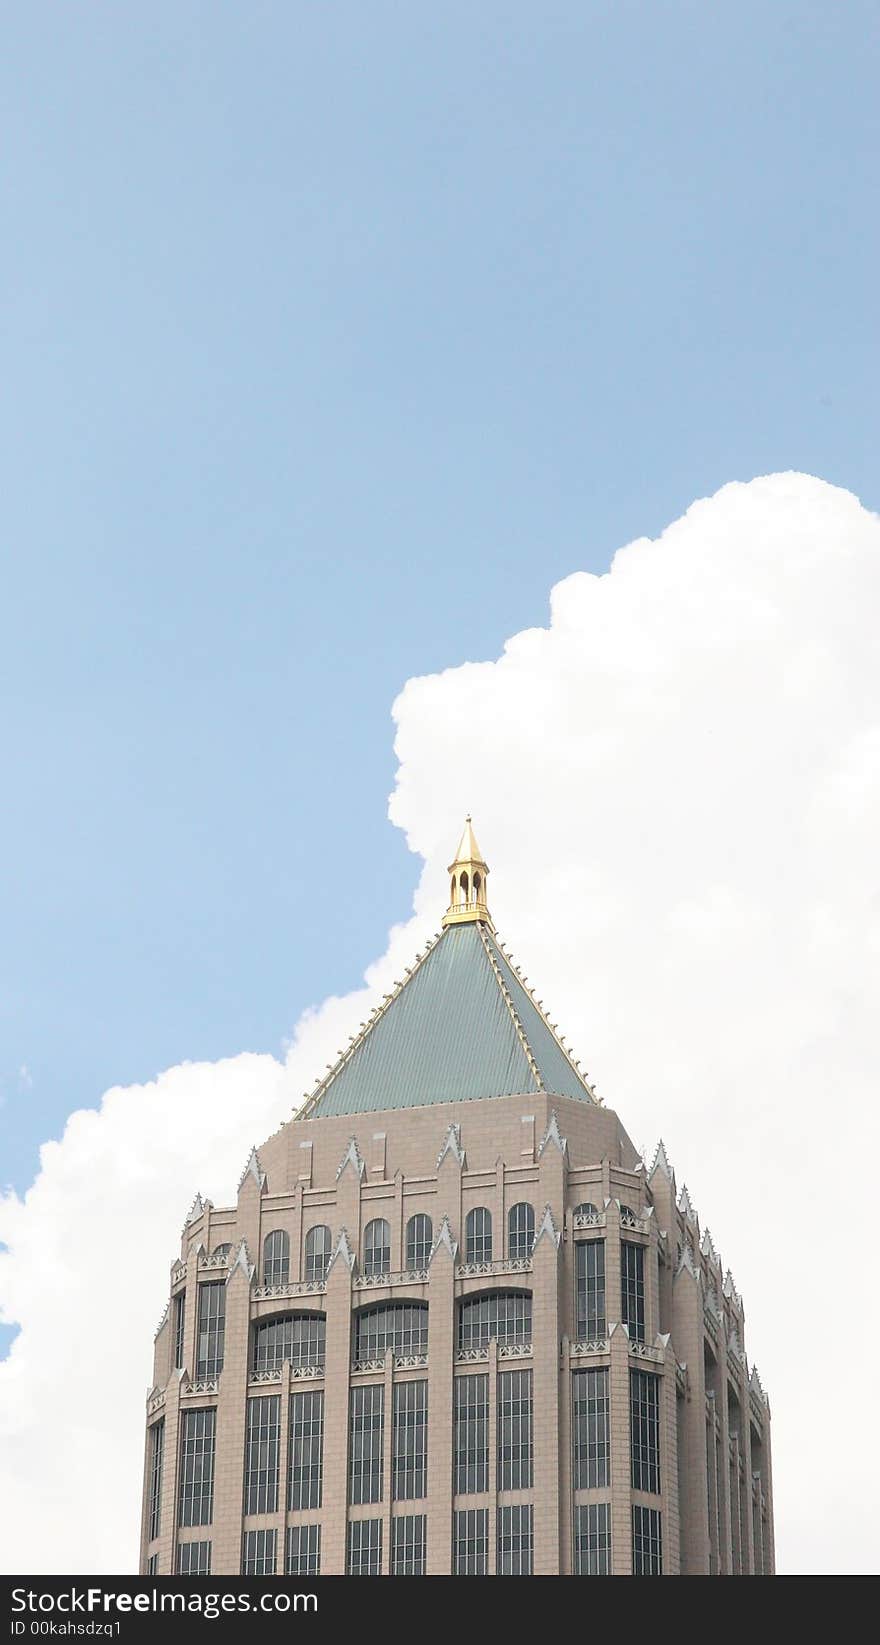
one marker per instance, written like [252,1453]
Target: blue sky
[331,338]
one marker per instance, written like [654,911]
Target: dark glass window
[304,1550]
[220,1251]
[592,1540]
[153,1565]
[419,1239]
[520,1231]
[179,1328]
[377,1247]
[262,1450]
[470,1542]
[471,1417]
[586,1209]
[212,1327]
[408,1545]
[299,1338]
[317,1253]
[590,1272]
[157,1450]
[367,1413]
[400,1326]
[478,1235]
[410,1441]
[276,1258]
[197,1434]
[515,1540]
[644,1406]
[194,1559]
[590,1436]
[365,1547]
[514,1430]
[505,1315]
[305,1456]
[647,1538]
[632,1289]
[258,1553]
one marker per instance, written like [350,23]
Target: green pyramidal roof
[462,1027]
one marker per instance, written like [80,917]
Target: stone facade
[687,1490]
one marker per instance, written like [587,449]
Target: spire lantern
[467,886]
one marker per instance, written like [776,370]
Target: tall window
[410,1441]
[400,1326]
[305,1456]
[258,1553]
[478,1235]
[365,1443]
[515,1540]
[317,1253]
[157,1451]
[644,1407]
[514,1430]
[632,1289]
[262,1447]
[196,1499]
[592,1540]
[471,1417]
[647,1541]
[419,1239]
[377,1247]
[194,1559]
[590,1436]
[520,1231]
[365,1547]
[212,1327]
[590,1272]
[505,1315]
[299,1338]
[304,1550]
[470,1542]
[408,1545]
[179,1329]
[276,1258]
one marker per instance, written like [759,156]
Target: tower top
[467,886]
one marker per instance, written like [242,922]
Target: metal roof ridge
[357,1040]
[505,995]
[547,1023]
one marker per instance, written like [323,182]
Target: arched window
[520,1230]
[220,1251]
[317,1252]
[463,883]
[400,1326]
[377,1247]
[299,1338]
[478,1235]
[419,1238]
[505,1315]
[587,1209]
[276,1258]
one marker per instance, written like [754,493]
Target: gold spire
[467,887]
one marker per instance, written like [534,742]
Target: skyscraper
[454,1323]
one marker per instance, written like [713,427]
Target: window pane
[212,1325]
[179,1328]
[365,1547]
[590,1429]
[647,1550]
[515,1541]
[317,1253]
[592,1540]
[514,1430]
[478,1235]
[520,1231]
[377,1247]
[365,1444]
[505,1315]
[304,1468]
[400,1326]
[470,1542]
[157,1449]
[196,1503]
[419,1238]
[408,1546]
[194,1559]
[276,1258]
[299,1338]
[262,1446]
[471,1435]
[410,1475]
[258,1553]
[590,1270]
[644,1405]
[632,1287]
[304,1550]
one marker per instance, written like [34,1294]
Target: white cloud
[678,787]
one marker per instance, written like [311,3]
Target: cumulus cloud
[677,784]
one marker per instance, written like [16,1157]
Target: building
[454,1323]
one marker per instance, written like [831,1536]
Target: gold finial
[467,887]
